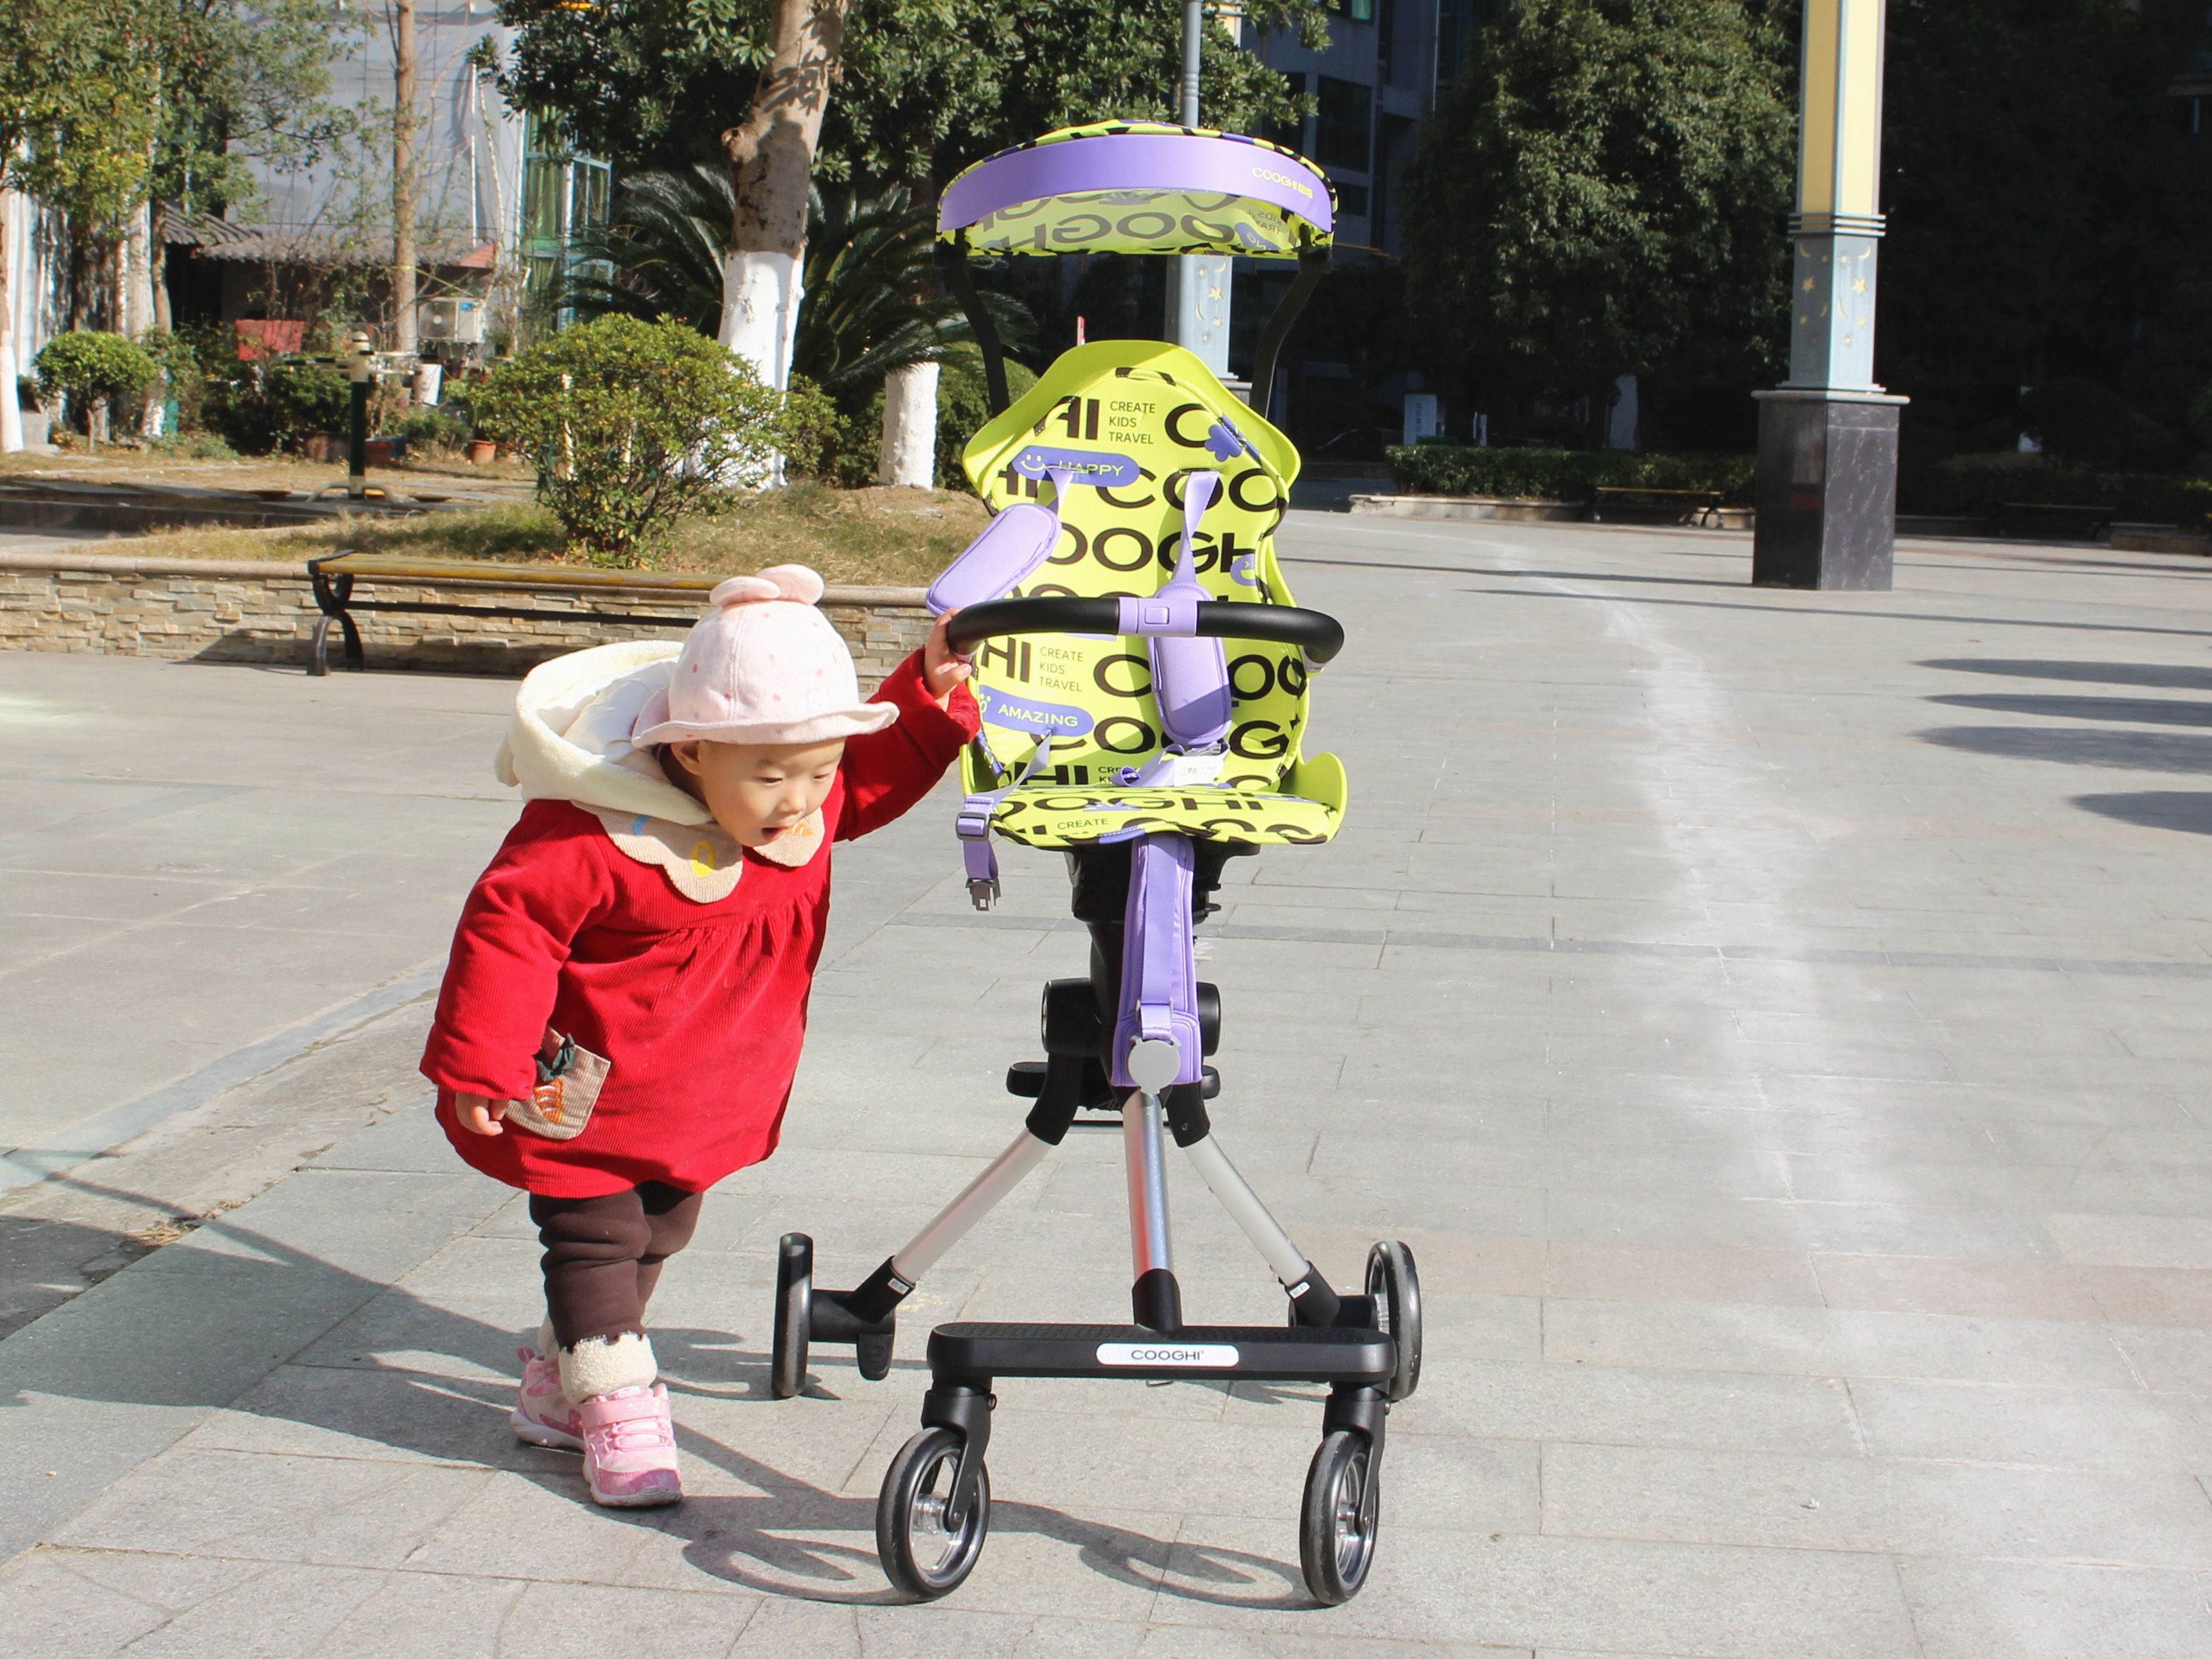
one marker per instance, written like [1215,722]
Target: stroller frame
[1125,1045]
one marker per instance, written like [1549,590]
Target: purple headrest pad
[1011,545]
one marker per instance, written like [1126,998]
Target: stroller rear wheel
[794,1315]
[1396,1291]
[925,1555]
[1338,1525]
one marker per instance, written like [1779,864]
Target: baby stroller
[1144,681]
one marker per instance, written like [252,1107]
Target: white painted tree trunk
[11,405]
[910,450]
[12,411]
[139,271]
[760,311]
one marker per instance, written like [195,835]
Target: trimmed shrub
[1967,485]
[91,369]
[1561,475]
[269,405]
[631,424]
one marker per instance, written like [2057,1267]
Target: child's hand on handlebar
[942,667]
[479,1115]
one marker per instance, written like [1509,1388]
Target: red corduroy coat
[699,1008]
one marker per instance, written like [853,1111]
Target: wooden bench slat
[388,567]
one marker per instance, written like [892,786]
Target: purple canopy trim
[1181,162]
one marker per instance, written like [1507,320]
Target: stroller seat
[1100,458]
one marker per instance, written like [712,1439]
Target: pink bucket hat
[765,667]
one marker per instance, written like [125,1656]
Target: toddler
[623,1011]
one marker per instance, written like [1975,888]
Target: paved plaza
[1776,1020]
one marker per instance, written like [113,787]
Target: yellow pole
[1828,435]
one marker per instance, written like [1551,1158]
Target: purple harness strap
[1159,983]
[1190,676]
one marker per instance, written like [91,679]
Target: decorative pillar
[1827,437]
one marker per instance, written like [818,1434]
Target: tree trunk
[770,158]
[909,446]
[402,175]
[12,411]
[165,318]
[138,275]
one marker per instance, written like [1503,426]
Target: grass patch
[889,537]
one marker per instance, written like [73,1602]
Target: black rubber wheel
[794,1315]
[1338,1525]
[1396,1290]
[922,1557]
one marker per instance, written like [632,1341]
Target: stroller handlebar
[1315,633]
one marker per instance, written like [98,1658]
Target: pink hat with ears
[765,667]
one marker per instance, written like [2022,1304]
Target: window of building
[1352,201]
[1457,23]
[1344,134]
[563,197]
[1355,11]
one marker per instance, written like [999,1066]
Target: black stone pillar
[1826,492]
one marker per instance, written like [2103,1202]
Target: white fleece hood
[569,739]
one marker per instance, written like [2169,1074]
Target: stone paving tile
[1790,1084]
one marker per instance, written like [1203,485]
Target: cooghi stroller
[1144,681]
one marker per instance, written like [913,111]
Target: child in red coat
[621,1014]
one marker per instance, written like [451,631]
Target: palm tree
[868,267]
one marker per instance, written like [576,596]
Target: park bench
[1697,506]
[2046,520]
[336,579]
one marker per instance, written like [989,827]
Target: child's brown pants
[603,1255]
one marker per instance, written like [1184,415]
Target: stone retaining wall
[233,610]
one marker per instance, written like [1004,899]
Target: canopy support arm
[952,266]
[1313,265]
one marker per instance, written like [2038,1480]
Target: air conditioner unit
[458,321]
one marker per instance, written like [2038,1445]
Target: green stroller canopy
[1141,187]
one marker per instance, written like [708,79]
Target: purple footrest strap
[1159,963]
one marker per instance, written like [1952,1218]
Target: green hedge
[1980,487]
[1561,475]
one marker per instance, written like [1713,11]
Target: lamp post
[1198,283]
[361,370]
[1828,435]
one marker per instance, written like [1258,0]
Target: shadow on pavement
[2135,751]
[2171,676]
[254,1305]
[2185,810]
[2145,711]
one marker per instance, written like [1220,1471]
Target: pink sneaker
[543,1415]
[629,1448]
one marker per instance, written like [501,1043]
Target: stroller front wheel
[794,1315]
[1395,1288]
[1338,1525]
[925,1554]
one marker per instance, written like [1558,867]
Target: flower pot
[482,452]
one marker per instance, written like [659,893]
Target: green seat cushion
[1138,417]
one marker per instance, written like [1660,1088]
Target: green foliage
[631,424]
[260,407]
[433,428]
[824,443]
[963,403]
[1561,475]
[2080,423]
[1980,485]
[192,447]
[868,263]
[244,82]
[1602,191]
[2049,219]
[91,370]
[926,86]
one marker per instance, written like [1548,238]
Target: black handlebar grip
[1315,633]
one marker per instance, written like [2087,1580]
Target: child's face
[757,791]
